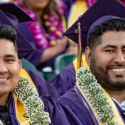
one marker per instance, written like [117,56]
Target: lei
[52,23]
[1,122]
[90,2]
[95,94]
[34,106]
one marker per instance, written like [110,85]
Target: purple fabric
[119,110]
[67,110]
[43,87]
[65,80]
[11,8]
[23,46]
[78,113]
[82,116]
[35,55]
[98,9]
[10,14]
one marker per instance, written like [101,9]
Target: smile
[119,70]
[3,78]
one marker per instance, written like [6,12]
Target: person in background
[47,30]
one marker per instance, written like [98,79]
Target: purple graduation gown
[65,80]
[43,87]
[70,104]
[67,110]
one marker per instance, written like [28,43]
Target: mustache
[116,65]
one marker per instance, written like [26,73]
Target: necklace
[34,106]
[97,99]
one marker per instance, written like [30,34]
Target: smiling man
[98,96]
[10,65]
[109,65]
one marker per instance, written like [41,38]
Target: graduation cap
[99,12]
[11,15]
[99,9]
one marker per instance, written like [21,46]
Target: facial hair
[104,78]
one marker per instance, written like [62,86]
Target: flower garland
[1,122]
[32,103]
[53,24]
[95,94]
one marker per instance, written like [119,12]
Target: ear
[20,64]
[87,55]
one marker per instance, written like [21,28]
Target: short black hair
[112,24]
[9,33]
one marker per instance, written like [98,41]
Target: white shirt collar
[122,105]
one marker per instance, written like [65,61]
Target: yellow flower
[52,29]
[47,23]
[52,43]
[58,33]
[45,16]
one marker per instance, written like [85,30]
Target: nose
[3,68]
[119,58]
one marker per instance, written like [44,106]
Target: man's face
[107,61]
[9,67]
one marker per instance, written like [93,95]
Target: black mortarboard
[100,11]
[10,14]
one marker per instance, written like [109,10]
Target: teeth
[3,78]
[118,70]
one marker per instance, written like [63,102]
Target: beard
[104,78]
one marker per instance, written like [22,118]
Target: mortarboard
[99,12]
[10,14]
[96,14]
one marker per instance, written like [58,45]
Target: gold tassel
[79,57]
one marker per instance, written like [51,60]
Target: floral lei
[53,24]
[34,106]
[95,94]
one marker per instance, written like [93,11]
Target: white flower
[1,123]
[95,94]
[32,103]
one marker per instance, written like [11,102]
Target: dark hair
[9,33]
[112,24]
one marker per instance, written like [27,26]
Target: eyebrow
[10,55]
[112,46]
